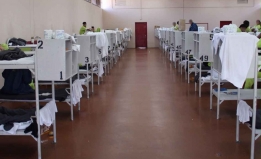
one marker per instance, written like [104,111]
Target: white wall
[164,12]
[28,18]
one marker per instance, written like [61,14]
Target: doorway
[141,34]
[222,23]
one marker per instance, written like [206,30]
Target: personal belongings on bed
[20,119]
[216,30]
[221,89]
[16,42]
[4,47]
[10,119]
[48,34]
[32,85]
[231,93]
[201,29]
[84,67]
[204,74]
[58,34]
[17,82]
[14,54]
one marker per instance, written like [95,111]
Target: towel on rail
[236,55]
[101,42]
[77,91]
[47,114]
[243,111]
[216,39]
[76,47]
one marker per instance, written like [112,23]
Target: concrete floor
[143,110]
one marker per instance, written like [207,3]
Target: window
[120,3]
[98,3]
[242,1]
[95,2]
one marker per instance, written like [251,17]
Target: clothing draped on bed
[17,81]
[10,116]
[12,54]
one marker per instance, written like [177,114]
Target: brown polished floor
[143,110]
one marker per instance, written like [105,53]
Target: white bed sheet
[22,61]
[16,127]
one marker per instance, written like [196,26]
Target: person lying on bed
[250,81]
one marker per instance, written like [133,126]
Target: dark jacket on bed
[12,54]
[10,116]
[17,81]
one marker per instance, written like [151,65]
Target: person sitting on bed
[257,27]
[175,26]
[246,24]
[83,28]
[242,28]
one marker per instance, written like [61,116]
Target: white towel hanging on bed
[76,93]
[236,55]
[47,113]
[243,111]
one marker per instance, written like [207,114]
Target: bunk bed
[62,66]
[30,63]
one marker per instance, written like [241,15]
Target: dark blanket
[60,95]
[10,116]
[14,54]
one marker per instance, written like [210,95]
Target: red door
[222,23]
[141,34]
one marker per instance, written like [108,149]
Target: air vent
[120,2]
[242,1]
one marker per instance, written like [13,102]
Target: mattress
[22,61]
[60,95]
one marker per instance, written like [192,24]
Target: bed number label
[179,47]
[210,36]
[188,52]
[86,59]
[204,58]
[40,42]
[61,75]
